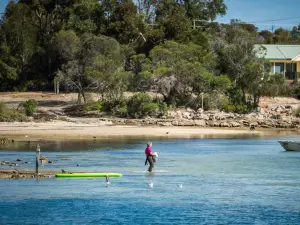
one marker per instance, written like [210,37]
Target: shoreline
[61,130]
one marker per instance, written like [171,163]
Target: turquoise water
[224,181]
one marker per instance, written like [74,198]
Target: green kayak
[88,175]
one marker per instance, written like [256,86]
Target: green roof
[280,52]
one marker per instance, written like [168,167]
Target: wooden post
[37,161]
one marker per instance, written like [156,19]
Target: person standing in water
[149,156]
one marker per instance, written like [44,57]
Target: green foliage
[110,47]
[10,115]
[297,112]
[93,106]
[29,106]
[235,102]
[141,105]
[297,92]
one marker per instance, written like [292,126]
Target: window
[279,67]
[291,67]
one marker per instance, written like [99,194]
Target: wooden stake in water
[37,162]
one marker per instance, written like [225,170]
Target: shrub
[239,108]
[141,105]
[297,112]
[10,115]
[116,107]
[93,106]
[30,106]
[297,92]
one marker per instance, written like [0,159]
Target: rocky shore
[24,174]
[282,116]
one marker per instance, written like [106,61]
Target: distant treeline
[112,46]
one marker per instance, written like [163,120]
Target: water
[225,181]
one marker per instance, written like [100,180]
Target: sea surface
[246,180]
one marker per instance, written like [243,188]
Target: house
[284,59]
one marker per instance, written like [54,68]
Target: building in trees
[285,59]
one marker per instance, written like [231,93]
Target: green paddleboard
[88,175]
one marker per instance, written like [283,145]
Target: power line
[262,21]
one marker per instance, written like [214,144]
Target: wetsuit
[149,158]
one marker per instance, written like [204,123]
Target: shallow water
[225,181]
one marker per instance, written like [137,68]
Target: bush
[239,108]
[141,105]
[93,106]
[116,107]
[30,106]
[297,112]
[10,115]
[297,92]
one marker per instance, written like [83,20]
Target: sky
[261,10]
[253,11]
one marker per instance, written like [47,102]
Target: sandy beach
[58,130]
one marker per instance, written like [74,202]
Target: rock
[254,124]
[200,110]
[178,114]
[260,110]
[131,122]
[174,122]
[224,124]
[186,115]
[172,114]
[279,109]
[64,159]
[235,124]
[216,124]
[186,123]
[164,123]
[189,110]
[200,123]
[210,123]
[220,116]
[200,116]
[19,160]
[276,116]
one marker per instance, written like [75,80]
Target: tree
[267,36]
[238,56]
[281,36]
[92,63]
[120,21]
[182,72]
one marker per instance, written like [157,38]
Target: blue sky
[3,3]
[252,11]
[260,10]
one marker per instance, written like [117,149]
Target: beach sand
[58,130]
